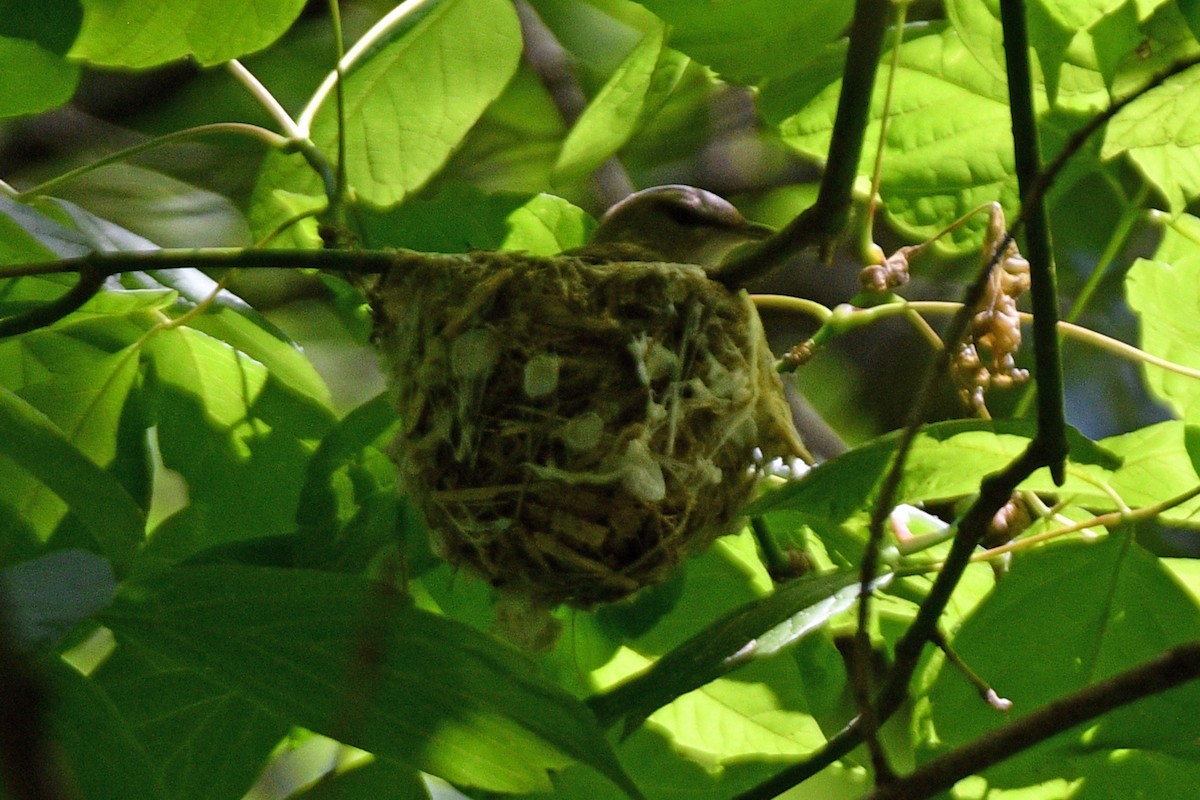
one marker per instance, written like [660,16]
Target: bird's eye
[685,214]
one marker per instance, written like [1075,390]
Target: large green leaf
[338,656]
[1166,297]
[99,502]
[947,461]
[1067,616]
[759,629]
[144,33]
[411,101]
[237,434]
[35,80]
[107,761]
[948,147]
[205,741]
[86,402]
[755,39]
[1159,132]
[631,96]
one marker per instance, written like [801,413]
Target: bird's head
[673,223]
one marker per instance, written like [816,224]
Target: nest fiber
[573,430]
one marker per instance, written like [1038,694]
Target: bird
[673,223]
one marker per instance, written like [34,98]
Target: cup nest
[572,430]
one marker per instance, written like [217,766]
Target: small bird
[673,223]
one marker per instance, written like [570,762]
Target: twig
[93,268]
[1052,425]
[90,281]
[1173,668]
[825,219]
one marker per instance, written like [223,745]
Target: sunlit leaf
[762,628]
[755,39]
[448,67]
[937,166]
[631,96]
[1065,617]
[144,33]
[1159,132]
[1166,297]
[292,640]
[32,441]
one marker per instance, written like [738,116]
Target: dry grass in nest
[573,430]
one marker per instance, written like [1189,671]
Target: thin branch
[270,138]
[265,99]
[1173,668]
[339,178]
[825,219]
[93,268]
[378,32]
[90,281]
[1052,425]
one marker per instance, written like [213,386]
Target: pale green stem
[1069,329]
[793,305]
[364,45]
[270,138]
[265,99]
[884,118]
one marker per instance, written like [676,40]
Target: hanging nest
[573,430]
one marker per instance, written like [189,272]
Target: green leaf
[759,629]
[752,40]
[35,79]
[1159,132]
[937,166]
[369,781]
[237,434]
[86,403]
[412,100]
[145,33]
[33,442]
[461,218]
[27,235]
[947,461]
[45,597]
[1156,467]
[433,694]
[106,759]
[204,740]
[1065,617]
[1191,12]
[634,93]
[1166,297]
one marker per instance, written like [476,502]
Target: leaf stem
[1175,667]
[264,97]
[356,52]
[270,138]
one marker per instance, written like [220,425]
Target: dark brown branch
[1175,667]
[822,222]
[90,281]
